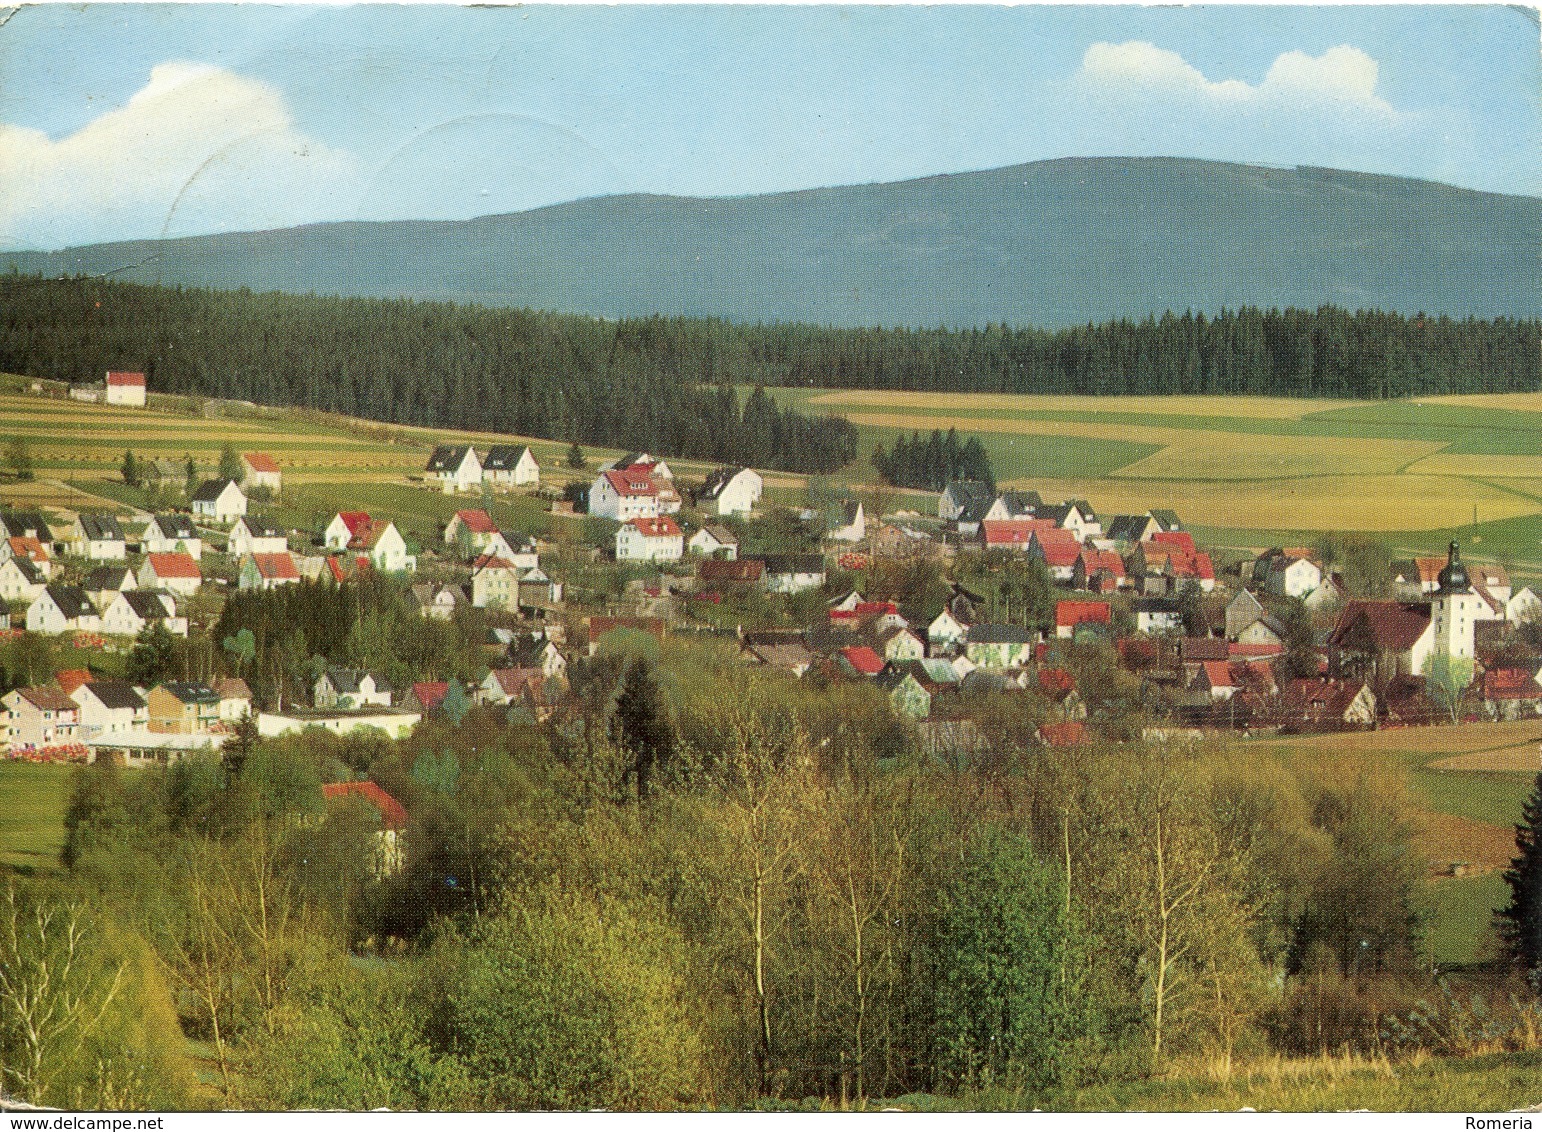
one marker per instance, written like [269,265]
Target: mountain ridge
[1053,243]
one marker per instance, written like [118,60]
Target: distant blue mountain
[1053,243]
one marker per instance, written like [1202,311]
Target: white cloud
[195,142]
[1342,78]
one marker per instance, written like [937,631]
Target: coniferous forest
[931,464]
[664,383]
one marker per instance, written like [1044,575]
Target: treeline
[933,463]
[700,884]
[430,364]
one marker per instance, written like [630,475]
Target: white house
[650,540]
[793,573]
[714,542]
[383,544]
[20,580]
[126,389]
[268,571]
[511,465]
[110,707]
[1524,606]
[494,583]
[62,609]
[623,495]
[946,633]
[730,491]
[342,529]
[642,461]
[258,469]
[435,602]
[98,537]
[255,536]
[516,548]
[470,530]
[1157,615]
[222,501]
[1293,577]
[175,572]
[106,582]
[40,717]
[961,496]
[168,533]
[351,688]
[130,611]
[455,468]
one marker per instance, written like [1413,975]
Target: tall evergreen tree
[1520,921]
[642,725]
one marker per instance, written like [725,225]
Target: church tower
[1454,609]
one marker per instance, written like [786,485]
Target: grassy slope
[32,801]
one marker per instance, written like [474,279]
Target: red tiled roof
[1058,547]
[491,562]
[173,564]
[1071,734]
[1095,560]
[1072,613]
[513,681]
[430,693]
[1013,532]
[1510,684]
[69,679]
[661,527]
[1394,625]
[392,815]
[863,659]
[355,521]
[123,377]
[875,608]
[636,480]
[232,688]
[477,521]
[29,548]
[335,568]
[1250,652]
[1217,673]
[260,462]
[1180,540]
[276,565]
[720,570]
[1056,681]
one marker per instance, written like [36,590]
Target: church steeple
[1453,578]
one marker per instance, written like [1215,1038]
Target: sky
[128,121]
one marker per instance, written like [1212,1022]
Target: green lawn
[1461,924]
[32,801]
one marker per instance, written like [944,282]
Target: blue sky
[126,120]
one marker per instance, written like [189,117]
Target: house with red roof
[655,539]
[1098,571]
[174,571]
[1382,640]
[342,529]
[624,494]
[1071,614]
[268,571]
[390,850]
[1322,704]
[600,626]
[258,469]
[859,660]
[1012,534]
[125,388]
[470,530]
[1058,549]
[1072,733]
[426,695]
[1511,693]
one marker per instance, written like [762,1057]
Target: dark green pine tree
[1520,922]
[230,464]
[642,725]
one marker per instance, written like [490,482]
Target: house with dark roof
[127,614]
[220,501]
[109,707]
[167,534]
[1382,640]
[730,491]
[25,524]
[98,536]
[62,609]
[1130,530]
[39,717]
[455,468]
[793,573]
[251,535]
[713,541]
[106,582]
[999,646]
[1015,505]
[511,465]
[350,688]
[183,707]
[20,580]
[961,495]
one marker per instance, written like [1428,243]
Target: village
[997,593]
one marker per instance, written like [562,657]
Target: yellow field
[1455,739]
[1367,503]
[972,404]
[1519,402]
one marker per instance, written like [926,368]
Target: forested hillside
[1052,243]
[564,377]
[649,383]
